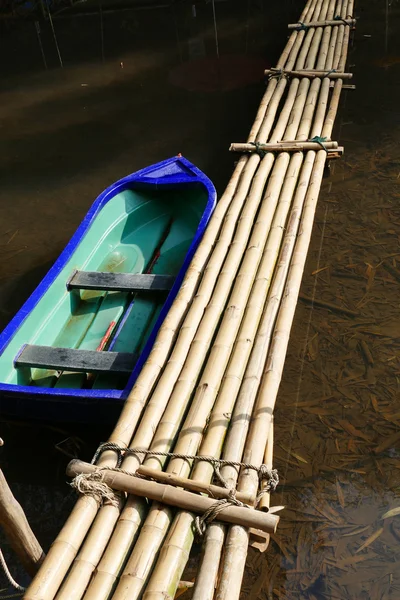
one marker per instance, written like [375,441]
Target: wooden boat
[74,350]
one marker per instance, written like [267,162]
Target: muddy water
[67,133]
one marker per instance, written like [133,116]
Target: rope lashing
[93,484]
[339,18]
[329,72]
[302,26]
[122,452]
[278,74]
[212,513]
[261,153]
[268,478]
[320,140]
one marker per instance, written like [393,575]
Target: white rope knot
[269,478]
[93,485]
[212,513]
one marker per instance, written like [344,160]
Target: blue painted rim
[189,174]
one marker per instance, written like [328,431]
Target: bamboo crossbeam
[328,23]
[167,494]
[293,146]
[214,491]
[308,73]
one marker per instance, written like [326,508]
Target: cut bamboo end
[214,491]
[258,539]
[346,86]
[166,494]
[294,146]
[311,73]
[329,23]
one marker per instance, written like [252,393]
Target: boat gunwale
[190,174]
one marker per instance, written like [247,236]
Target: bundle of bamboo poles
[210,383]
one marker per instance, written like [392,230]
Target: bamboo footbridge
[210,384]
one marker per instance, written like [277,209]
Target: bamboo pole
[308,73]
[17,530]
[268,460]
[328,23]
[214,491]
[173,496]
[282,146]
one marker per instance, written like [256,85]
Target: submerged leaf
[353,431]
[391,513]
[340,494]
[369,540]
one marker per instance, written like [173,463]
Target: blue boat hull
[38,401]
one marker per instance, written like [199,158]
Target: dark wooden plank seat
[70,359]
[120,282]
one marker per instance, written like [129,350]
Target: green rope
[302,26]
[261,153]
[339,18]
[320,140]
[329,72]
[277,74]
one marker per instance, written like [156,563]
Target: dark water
[68,133]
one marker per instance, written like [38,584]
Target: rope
[8,574]
[220,462]
[339,18]
[320,140]
[212,513]
[329,72]
[261,153]
[92,484]
[302,26]
[277,74]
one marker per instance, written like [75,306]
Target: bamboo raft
[210,383]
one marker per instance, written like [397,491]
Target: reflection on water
[68,133]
